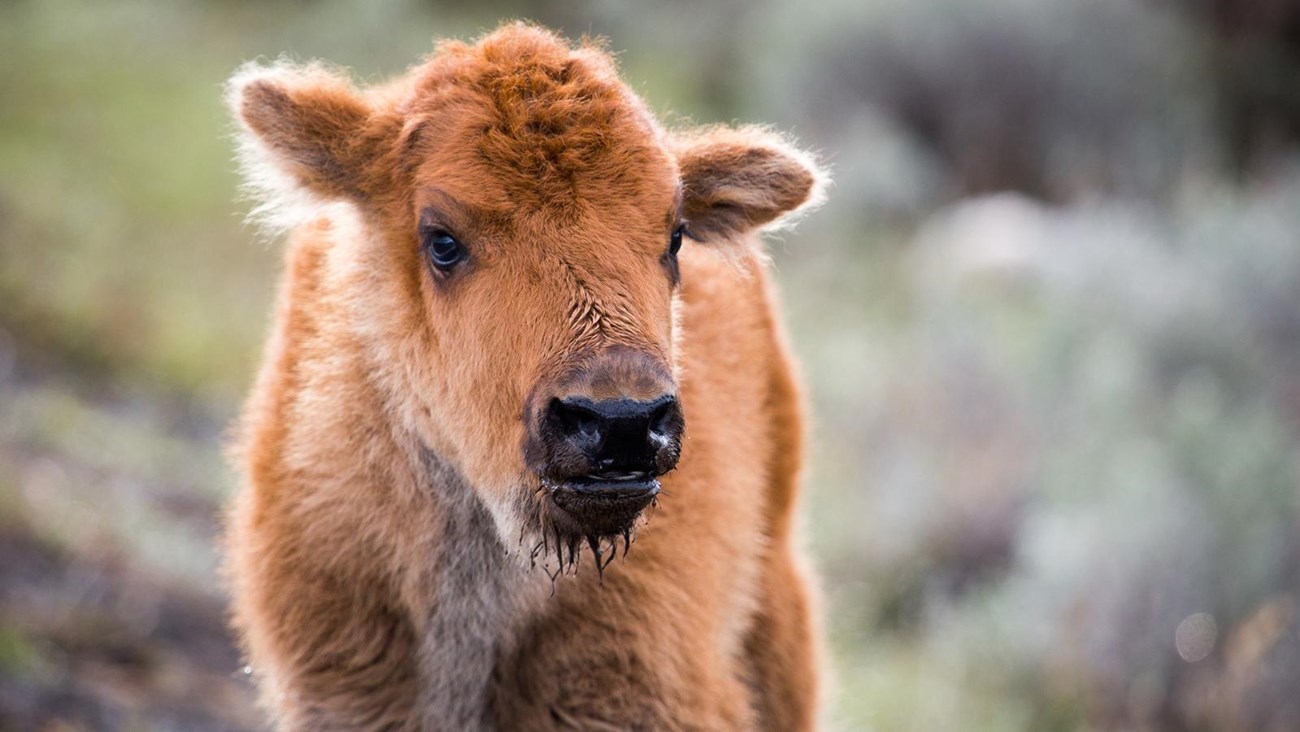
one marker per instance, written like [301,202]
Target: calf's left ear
[307,136]
[738,179]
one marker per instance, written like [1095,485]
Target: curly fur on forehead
[552,121]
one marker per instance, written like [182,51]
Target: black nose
[621,435]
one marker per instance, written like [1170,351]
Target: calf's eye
[675,243]
[443,250]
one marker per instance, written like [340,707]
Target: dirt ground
[102,647]
[111,613]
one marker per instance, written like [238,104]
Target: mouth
[601,504]
[615,481]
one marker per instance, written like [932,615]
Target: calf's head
[506,255]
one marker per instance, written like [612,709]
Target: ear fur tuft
[300,141]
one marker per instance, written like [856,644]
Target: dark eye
[675,243]
[443,250]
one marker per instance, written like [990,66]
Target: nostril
[585,425]
[575,419]
[665,418]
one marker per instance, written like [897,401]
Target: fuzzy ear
[307,137]
[735,180]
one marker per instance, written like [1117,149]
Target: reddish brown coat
[380,547]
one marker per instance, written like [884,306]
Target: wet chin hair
[567,549]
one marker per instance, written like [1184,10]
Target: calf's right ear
[307,137]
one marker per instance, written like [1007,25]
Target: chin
[597,513]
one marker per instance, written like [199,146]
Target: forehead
[521,122]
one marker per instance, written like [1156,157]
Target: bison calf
[522,328]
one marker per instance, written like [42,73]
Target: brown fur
[382,548]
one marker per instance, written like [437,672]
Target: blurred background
[1050,318]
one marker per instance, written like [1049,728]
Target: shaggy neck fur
[482,596]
